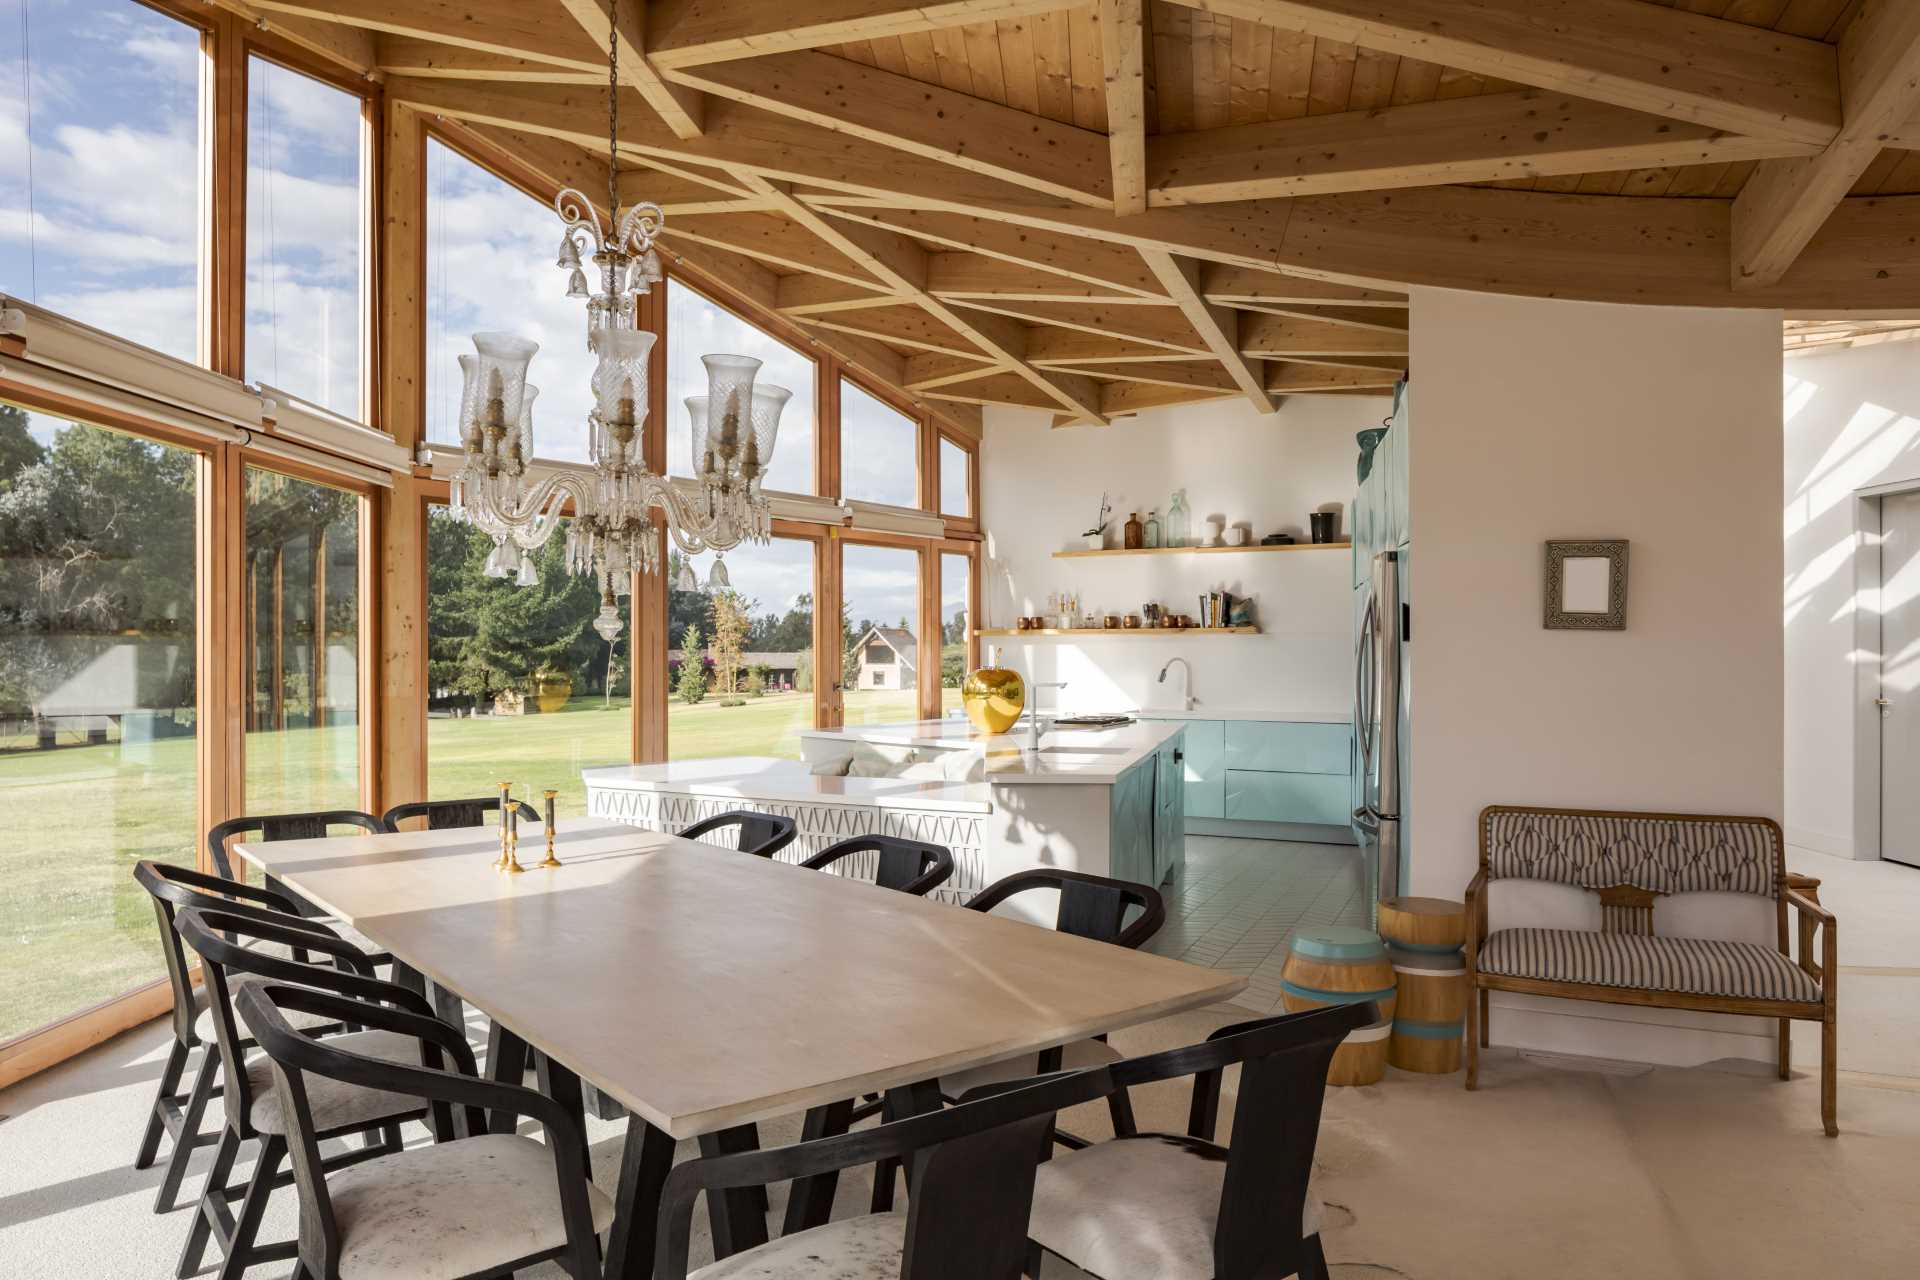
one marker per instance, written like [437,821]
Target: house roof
[900,640]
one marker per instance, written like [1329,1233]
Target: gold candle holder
[510,824]
[506,825]
[550,860]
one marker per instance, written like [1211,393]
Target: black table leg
[644,1165]
[560,1084]
[738,1214]
[810,1200]
[507,1063]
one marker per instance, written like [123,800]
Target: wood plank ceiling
[1094,208]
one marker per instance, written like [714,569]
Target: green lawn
[75,929]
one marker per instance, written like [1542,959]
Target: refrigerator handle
[1363,688]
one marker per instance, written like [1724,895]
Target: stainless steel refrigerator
[1380,706]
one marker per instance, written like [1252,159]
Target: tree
[729,635]
[692,685]
[953,665]
[486,634]
[18,449]
[803,671]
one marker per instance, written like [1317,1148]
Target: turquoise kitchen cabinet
[1276,747]
[1147,817]
[1170,811]
[1317,798]
[1205,768]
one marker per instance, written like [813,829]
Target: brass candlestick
[506,807]
[550,860]
[510,823]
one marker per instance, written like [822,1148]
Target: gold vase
[993,697]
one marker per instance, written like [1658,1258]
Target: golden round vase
[993,697]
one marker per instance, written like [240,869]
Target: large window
[880,645]
[97,711]
[879,450]
[100,168]
[697,326]
[740,660]
[305,232]
[956,614]
[490,255]
[302,560]
[521,688]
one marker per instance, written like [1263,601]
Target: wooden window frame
[926,473]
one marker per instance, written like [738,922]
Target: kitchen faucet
[1033,712]
[1186,682]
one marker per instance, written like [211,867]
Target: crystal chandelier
[611,530]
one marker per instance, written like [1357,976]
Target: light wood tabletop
[706,989]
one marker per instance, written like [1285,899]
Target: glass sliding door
[302,711]
[520,688]
[956,621]
[97,705]
[740,660]
[880,646]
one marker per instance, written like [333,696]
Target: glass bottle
[1178,531]
[1133,532]
[1153,527]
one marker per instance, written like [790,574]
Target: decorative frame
[1555,617]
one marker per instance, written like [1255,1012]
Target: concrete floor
[1556,1167]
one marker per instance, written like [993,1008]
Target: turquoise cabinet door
[1130,825]
[1288,797]
[1289,747]
[1170,812]
[1206,768]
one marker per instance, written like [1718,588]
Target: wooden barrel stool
[1425,938]
[1337,965]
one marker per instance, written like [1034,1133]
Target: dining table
[705,989]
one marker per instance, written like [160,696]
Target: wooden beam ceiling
[691,33]
[1787,201]
[1123,46]
[1218,327]
[679,107]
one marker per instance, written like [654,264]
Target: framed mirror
[1586,588]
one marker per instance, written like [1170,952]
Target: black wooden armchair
[910,866]
[761,834]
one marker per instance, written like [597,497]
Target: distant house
[782,668]
[889,659]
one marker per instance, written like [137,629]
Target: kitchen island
[1106,801]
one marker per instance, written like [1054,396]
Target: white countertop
[1207,711]
[765,778]
[1093,757]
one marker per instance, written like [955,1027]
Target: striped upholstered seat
[1695,966]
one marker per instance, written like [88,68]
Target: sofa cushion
[1690,966]
[1141,1207]
[1664,854]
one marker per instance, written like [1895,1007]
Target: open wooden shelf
[1124,631]
[1203,551]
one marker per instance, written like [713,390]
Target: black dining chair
[972,1174]
[1090,906]
[761,834]
[235,954]
[285,826]
[1240,1210]
[484,1205]
[910,866]
[177,1116]
[447,815]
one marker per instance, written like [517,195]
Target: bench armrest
[1476,897]
[1811,916]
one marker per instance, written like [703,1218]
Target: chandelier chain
[613,109]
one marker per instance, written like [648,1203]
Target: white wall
[1852,421]
[1537,419]
[1040,488]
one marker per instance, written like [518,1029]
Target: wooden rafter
[1787,201]
[1218,327]
[680,107]
[1124,57]
[1230,285]
[1667,61]
[412,56]
[804,295]
[1484,139]
[1161,326]
[1265,335]
[690,33]
[929,121]
[1112,268]
[509,27]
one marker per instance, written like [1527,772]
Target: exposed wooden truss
[1093,208]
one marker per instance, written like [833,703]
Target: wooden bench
[1631,860]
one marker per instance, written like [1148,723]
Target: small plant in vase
[1097,536]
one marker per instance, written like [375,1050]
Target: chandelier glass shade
[608,509]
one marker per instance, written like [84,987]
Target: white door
[1900,678]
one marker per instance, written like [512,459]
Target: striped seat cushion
[1691,966]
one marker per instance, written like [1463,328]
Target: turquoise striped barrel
[1338,965]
